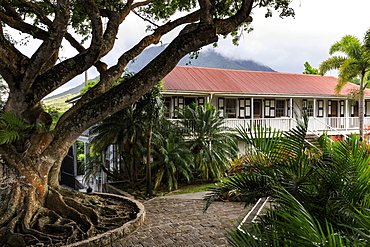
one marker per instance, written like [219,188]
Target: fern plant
[12,128]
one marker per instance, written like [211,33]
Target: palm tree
[152,113]
[319,194]
[124,131]
[212,144]
[353,62]
[171,156]
[130,130]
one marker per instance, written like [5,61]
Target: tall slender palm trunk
[361,107]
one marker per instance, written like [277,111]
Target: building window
[341,109]
[221,107]
[310,108]
[280,108]
[269,108]
[230,108]
[244,108]
[289,108]
[257,108]
[307,106]
[320,108]
[367,108]
[201,101]
[167,104]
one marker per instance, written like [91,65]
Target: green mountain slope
[59,100]
[209,59]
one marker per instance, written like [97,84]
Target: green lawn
[192,188]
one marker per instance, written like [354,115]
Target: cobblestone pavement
[172,221]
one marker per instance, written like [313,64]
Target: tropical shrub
[319,192]
[172,160]
[211,143]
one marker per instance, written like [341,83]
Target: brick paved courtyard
[172,221]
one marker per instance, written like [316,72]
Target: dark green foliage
[55,113]
[196,144]
[319,195]
[165,9]
[127,130]
[172,159]
[12,128]
[211,143]
[308,69]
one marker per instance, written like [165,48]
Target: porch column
[252,112]
[86,153]
[314,114]
[347,114]
[291,112]
[209,98]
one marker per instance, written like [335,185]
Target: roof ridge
[251,71]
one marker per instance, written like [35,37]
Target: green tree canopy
[308,69]
[90,27]
[353,61]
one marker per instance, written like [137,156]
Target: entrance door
[355,110]
[68,169]
[334,108]
[333,114]
[257,108]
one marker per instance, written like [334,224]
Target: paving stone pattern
[181,222]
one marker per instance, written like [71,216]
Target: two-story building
[245,98]
[269,98]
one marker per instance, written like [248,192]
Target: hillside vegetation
[59,102]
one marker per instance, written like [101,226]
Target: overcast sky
[282,44]
[285,44]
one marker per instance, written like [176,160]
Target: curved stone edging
[110,237]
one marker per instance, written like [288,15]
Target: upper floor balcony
[329,125]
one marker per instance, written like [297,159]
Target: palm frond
[289,224]
[367,40]
[349,45]
[331,63]
[348,71]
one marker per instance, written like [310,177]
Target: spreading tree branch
[47,53]
[107,78]
[11,61]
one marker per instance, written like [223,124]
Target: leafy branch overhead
[98,22]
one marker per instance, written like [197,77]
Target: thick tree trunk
[361,107]
[33,207]
[33,210]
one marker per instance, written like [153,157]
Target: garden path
[179,221]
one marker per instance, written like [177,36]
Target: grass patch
[192,188]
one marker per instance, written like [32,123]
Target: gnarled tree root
[66,217]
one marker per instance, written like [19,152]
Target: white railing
[342,124]
[276,123]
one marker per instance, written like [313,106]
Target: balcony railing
[276,123]
[328,124]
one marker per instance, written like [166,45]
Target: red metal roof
[184,78]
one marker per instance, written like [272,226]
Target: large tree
[352,58]
[32,201]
